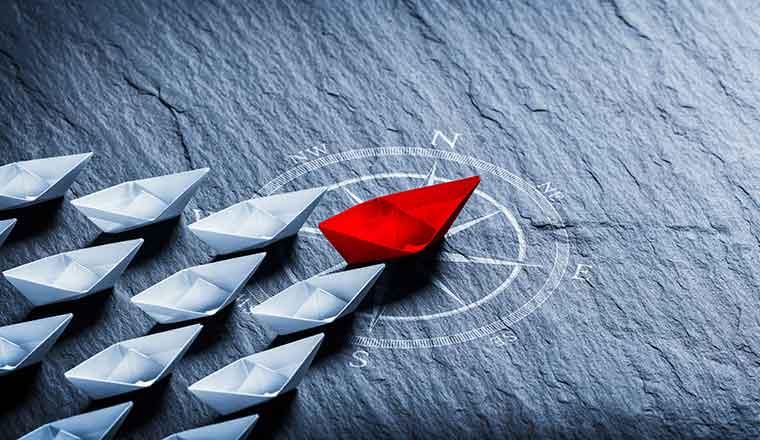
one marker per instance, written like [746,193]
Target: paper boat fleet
[198,291]
[236,429]
[72,275]
[133,364]
[6,226]
[317,301]
[398,224]
[138,203]
[386,227]
[27,343]
[256,223]
[94,425]
[34,181]
[259,377]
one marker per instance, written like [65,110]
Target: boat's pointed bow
[136,243]
[115,415]
[376,269]
[311,195]
[471,181]
[249,262]
[117,412]
[194,177]
[186,335]
[62,320]
[314,342]
[5,224]
[83,157]
[467,185]
[203,171]
[123,251]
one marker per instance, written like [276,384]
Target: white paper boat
[138,203]
[95,425]
[259,377]
[199,291]
[6,226]
[33,181]
[133,364]
[236,429]
[75,274]
[26,343]
[256,223]
[317,301]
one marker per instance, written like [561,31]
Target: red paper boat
[398,224]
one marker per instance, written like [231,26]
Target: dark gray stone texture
[644,113]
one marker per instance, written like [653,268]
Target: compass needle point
[467,225]
[353,195]
[453,257]
[377,313]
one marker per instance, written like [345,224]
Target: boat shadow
[23,385]
[335,342]
[146,401]
[273,415]
[33,220]
[277,253]
[402,278]
[87,312]
[213,327]
[158,237]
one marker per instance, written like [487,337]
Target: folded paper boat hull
[6,226]
[95,425]
[236,429]
[198,291]
[275,371]
[256,223]
[317,301]
[50,177]
[138,203]
[133,364]
[398,224]
[88,270]
[28,342]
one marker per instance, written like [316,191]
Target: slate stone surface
[645,115]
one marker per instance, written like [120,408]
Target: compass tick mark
[259,295]
[430,179]
[448,291]
[353,196]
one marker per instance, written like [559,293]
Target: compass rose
[488,273]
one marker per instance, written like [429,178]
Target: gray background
[645,113]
